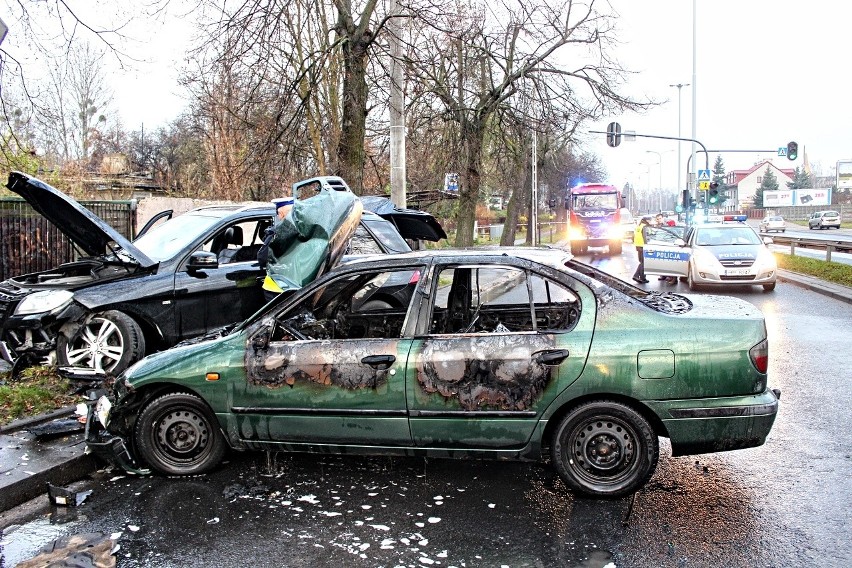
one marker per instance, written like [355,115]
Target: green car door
[502,343]
[331,368]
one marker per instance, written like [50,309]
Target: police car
[729,253]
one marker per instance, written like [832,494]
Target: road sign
[782,151]
[703,175]
[703,185]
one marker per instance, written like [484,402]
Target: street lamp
[679,87]
[660,166]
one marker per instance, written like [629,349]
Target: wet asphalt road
[786,503]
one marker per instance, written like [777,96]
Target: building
[743,184]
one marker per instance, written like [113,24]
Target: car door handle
[379,362]
[553,357]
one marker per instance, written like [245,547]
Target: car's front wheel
[769,287]
[693,285]
[177,434]
[110,341]
[605,449]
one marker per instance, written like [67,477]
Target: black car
[121,300]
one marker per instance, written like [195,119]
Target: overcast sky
[768,71]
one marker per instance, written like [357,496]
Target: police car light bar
[739,218]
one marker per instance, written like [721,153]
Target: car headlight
[702,258]
[44,301]
[102,409]
[577,234]
[766,258]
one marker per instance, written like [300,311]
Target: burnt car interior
[364,305]
[501,300]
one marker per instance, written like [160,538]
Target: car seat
[220,245]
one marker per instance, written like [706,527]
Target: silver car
[824,220]
[717,255]
[772,223]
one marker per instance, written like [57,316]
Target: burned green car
[508,353]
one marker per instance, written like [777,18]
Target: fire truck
[594,217]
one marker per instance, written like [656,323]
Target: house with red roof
[743,184]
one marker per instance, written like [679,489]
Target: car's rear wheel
[605,449]
[177,434]
[110,341]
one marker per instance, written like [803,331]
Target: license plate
[738,272]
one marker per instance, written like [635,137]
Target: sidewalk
[27,465]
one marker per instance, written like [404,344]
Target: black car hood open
[84,228]
[411,223]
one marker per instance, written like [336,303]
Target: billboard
[790,197]
[844,175]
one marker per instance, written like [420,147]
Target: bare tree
[74,103]
[475,61]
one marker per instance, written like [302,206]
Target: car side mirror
[680,242]
[202,260]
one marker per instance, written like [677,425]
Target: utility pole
[397,109]
[679,179]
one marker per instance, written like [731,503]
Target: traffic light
[792,150]
[613,134]
[713,194]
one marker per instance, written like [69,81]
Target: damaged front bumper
[107,446]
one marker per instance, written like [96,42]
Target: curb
[62,473]
[24,423]
[835,291]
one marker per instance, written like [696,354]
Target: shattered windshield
[166,240]
[667,302]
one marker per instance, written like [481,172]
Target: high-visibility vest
[638,236]
[270,285]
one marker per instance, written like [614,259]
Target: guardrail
[794,242]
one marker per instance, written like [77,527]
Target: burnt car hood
[85,229]
[312,238]
[411,223]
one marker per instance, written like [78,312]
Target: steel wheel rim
[181,436]
[603,449]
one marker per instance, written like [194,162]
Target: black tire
[575,249]
[110,341]
[769,287]
[177,434]
[605,449]
[693,285]
[615,248]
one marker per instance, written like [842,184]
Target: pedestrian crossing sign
[703,175]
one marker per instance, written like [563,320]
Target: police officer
[639,243]
[283,206]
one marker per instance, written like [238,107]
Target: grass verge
[830,271]
[36,390]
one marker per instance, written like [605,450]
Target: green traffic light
[792,151]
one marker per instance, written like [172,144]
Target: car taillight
[415,277]
[760,356]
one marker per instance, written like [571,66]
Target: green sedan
[506,353]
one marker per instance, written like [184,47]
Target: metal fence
[801,212]
[30,243]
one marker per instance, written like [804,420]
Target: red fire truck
[594,217]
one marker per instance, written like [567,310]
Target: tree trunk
[472,134]
[350,151]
